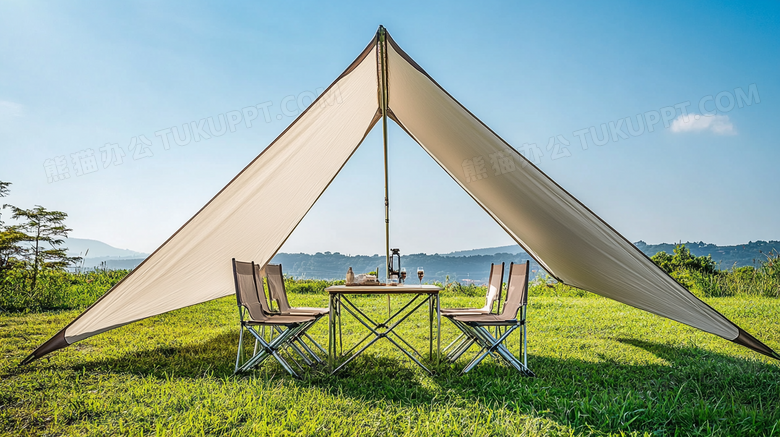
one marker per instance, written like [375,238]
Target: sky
[661,117]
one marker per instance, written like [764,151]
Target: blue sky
[79,76]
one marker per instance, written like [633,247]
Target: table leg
[338,314]
[331,333]
[430,327]
[438,328]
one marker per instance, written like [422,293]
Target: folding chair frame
[268,348]
[288,329]
[464,341]
[274,297]
[476,331]
[490,345]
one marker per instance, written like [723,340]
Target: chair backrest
[259,280]
[276,289]
[494,288]
[516,290]
[246,289]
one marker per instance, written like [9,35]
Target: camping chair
[464,341]
[278,293]
[253,314]
[476,325]
[294,344]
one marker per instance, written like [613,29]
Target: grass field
[603,369]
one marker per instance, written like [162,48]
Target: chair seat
[305,311]
[283,319]
[462,311]
[486,320]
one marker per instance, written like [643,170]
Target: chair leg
[502,350]
[308,350]
[300,353]
[305,334]
[317,345]
[299,339]
[292,358]
[446,348]
[291,345]
[525,346]
[476,360]
[264,353]
[240,344]
[465,344]
[272,348]
[490,345]
[286,365]
[485,347]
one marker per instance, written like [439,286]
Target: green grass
[603,369]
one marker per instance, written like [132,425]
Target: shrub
[739,281]
[55,289]
[458,289]
[682,259]
[547,286]
[308,286]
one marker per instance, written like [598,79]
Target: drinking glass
[420,274]
[403,274]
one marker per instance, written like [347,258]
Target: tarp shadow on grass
[215,357]
[629,397]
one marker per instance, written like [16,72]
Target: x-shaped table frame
[385,329]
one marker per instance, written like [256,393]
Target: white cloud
[10,109]
[717,124]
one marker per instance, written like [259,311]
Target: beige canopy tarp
[566,238]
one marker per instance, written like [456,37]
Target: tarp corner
[53,344]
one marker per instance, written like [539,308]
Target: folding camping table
[421,294]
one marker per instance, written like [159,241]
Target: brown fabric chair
[254,312]
[463,342]
[278,293]
[512,317]
[495,282]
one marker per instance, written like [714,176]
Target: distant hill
[329,265]
[98,249]
[103,255]
[464,265]
[513,249]
[111,263]
[725,256]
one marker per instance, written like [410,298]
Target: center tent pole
[383,68]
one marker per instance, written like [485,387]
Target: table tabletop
[384,289]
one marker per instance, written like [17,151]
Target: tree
[10,237]
[684,260]
[3,192]
[40,227]
[10,249]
